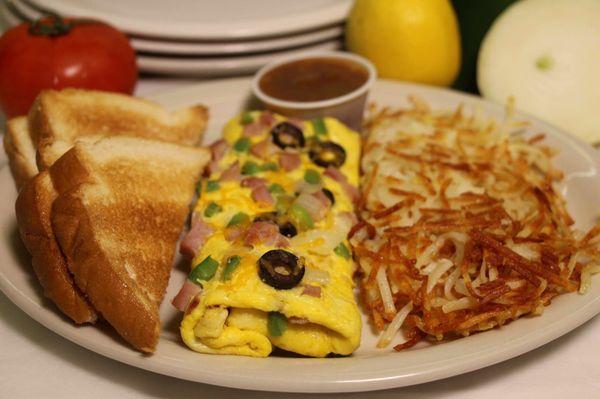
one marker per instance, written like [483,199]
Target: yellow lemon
[415,40]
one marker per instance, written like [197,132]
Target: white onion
[312,205]
[323,242]
[544,53]
[312,275]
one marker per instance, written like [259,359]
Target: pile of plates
[205,37]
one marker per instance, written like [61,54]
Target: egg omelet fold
[234,311]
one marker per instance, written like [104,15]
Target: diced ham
[232,233]
[299,123]
[350,216]
[188,291]
[338,176]
[232,173]
[315,208]
[320,195]
[253,129]
[289,160]
[195,238]
[267,119]
[262,195]
[212,167]
[312,290]
[266,233]
[218,149]
[263,149]
[254,182]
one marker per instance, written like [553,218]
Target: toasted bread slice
[20,150]
[58,119]
[33,208]
[121,206]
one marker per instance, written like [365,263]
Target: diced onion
[394,326]
[312,275]
[322,242]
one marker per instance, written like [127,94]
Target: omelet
[274,267]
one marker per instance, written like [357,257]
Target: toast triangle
[120,207]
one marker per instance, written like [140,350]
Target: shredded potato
[461,227]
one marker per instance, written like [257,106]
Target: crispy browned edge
[106,120]
[33,208]
[112,294]
[22,166]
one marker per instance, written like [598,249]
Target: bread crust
[117,232]
[20,150]
[33,209]
[57,119]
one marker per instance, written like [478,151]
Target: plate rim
[327,15]
[554,329]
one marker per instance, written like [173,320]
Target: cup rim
[303,105]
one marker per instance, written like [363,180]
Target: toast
[60,118]
[33,208]
[20,150]
[120,207]
[57,119]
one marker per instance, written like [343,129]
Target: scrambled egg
[232,315]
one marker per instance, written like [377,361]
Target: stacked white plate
[205,37]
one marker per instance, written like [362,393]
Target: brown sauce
[313,79]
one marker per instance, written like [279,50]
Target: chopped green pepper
[242,144]
[283,203]
[230,266]
[246,118]
[204,270]
[272,166]
[212,209]
[311,176]
[212,185]
[342,250]
[301,217]
[276,189]
[250,168]
[276,324]
[319,126]
[238,218]
[199,188]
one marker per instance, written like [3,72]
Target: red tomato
[55,53]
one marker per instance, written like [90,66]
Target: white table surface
[37,363]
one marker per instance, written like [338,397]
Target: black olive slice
[327,154]
[280,269]
[286,227]
[329,195]
[266,217]
[287,135]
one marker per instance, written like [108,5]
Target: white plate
[223,66]
[23,10]
[207,19]
[369,368]
[237,47]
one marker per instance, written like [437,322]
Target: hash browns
[461,227]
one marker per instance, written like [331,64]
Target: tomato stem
[50,25]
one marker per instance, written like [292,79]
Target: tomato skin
[92,55]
